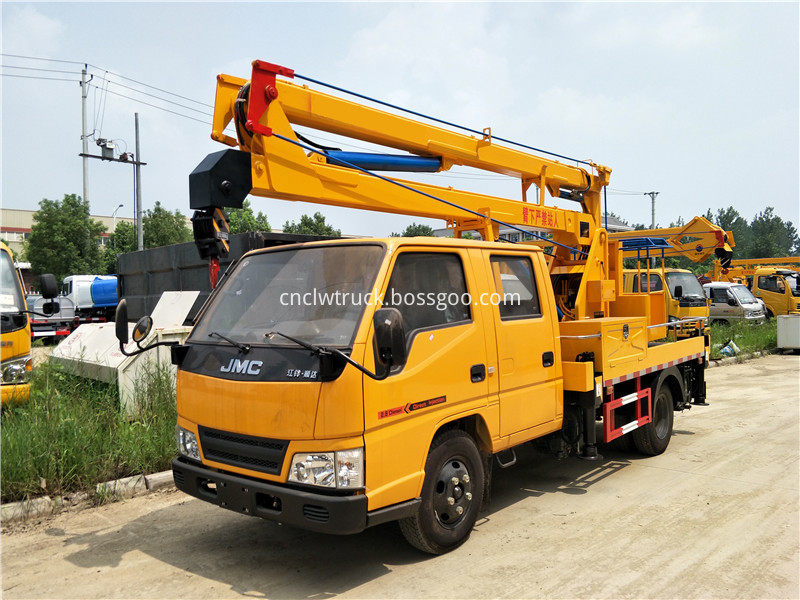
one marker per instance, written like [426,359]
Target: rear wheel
[653,438]
[452,493]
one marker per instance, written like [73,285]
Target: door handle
[548,359]
[477,373]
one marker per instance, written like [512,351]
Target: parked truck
[733,303]
[93,296]
[684,297]
[342,384]
[16,363]
[774,281]
[83,299]
[697,240]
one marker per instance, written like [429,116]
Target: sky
[696,101]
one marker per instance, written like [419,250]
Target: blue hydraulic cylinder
[385,162]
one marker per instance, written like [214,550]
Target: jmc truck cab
[779,289]
[15,331]
[683,294]
[339,385]
[15,335]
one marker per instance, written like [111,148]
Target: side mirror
[390,339]
[48,285]
[732,302]
[121,321]
[142,329]
[678,291]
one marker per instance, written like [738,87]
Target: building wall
[15,226]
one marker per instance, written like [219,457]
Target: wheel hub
[453,493]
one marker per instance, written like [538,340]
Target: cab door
[528,350]
[446,375]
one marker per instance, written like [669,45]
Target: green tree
[771,236]
[242,220]
[729,219]
[415,230]
[163,228]
[315,225]
[120,241]
[64,240]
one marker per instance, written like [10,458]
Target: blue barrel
[104,292]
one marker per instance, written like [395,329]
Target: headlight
[187,443]
[342,469]
[17,370]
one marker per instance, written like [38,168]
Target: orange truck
[774,281]
[15,336]
[342,384]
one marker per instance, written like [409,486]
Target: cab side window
[719,295]
[429,290]
[654,284]
[516,287]
[770,283]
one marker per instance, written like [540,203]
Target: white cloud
[667,27]
[28,32]
[447,60]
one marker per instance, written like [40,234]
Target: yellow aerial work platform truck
[774,281]
[341,384]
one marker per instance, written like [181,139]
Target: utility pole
[84,135]
[652,208]
[138,169]
[107,154]
[653,219]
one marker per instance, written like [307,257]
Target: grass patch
[72,435]
[749,338]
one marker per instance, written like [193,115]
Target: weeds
[748,337]
[72,434]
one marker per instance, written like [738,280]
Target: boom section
[265,110]
[698,240]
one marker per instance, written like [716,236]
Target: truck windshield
[691,287]
[315,294]
[11,300]
[743,294]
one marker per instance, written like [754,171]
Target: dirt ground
[716,516]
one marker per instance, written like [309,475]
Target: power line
[40,78]
[40,70]
[107,72]
[625,192]
[155,106]
[70,62]
[197,110]
[152,87]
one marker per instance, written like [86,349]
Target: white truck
[732,302]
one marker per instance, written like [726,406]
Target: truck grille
[249,452]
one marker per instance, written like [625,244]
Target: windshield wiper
[243,348]
[324,352]
[313,348]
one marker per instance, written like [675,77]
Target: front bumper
[308,510]
[14,393]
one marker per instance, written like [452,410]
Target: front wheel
[653,438]
[452,493]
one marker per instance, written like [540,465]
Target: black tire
[653,438]
[453,481]
[624,443]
